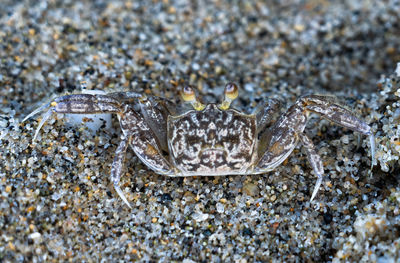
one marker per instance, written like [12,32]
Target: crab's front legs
[139,135]
[284,135]
[136,131]
[77,104]
[266,112]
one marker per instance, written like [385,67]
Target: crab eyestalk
[188,95]
[231,92]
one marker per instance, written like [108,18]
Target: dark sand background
[56,199]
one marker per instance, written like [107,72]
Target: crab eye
[231,91]
[188,94]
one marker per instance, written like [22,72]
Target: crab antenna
[188,95]
[231,92]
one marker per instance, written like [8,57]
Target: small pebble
[250,189]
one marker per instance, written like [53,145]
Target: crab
[207,139]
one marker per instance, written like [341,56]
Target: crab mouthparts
[213,162]
[213,156]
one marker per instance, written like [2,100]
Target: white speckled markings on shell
[212,141]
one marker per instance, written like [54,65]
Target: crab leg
[279,141]
[125,96]
[144,142]
[325,106]
[78,104]
[137,131]
[86,103]
[155,111]
[118,165]
[138,134]
[315,161]
[265,113]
